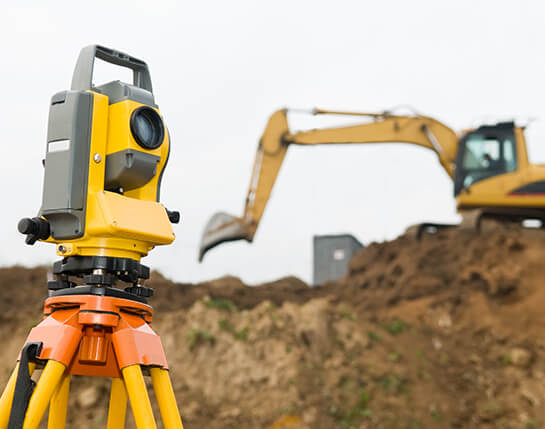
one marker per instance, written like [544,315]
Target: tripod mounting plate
[99,291]
[124,269]
[99,274]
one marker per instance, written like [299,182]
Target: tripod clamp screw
[142,291]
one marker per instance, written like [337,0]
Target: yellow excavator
[489,166]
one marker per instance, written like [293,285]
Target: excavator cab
[484,153]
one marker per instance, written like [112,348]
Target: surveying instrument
[107,148]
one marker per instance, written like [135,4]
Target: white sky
[219,70]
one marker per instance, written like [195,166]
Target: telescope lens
[147,127]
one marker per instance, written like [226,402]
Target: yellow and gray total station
[107,148]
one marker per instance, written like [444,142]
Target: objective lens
[147,127]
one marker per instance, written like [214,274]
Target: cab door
[485,153]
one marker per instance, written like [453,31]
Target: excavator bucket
[221,228]
[271,150]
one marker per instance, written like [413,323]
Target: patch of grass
[394,384]
[422,374]
[241,335]
[436,415]
[395,327]
[198,336]
[492,410]
[506,360]
[394,356]
[349,385]
[346,314]
[374,336]
[226,326]
[532,424]
[221,304]
[349,418]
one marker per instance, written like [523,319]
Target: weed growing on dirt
[271,306]
[532,424]
[396,327]
[394,356]
[241,335]
[198,336]
[435,414]
[226,326]
[349,418]
[345,313]
[492,410]
[374,336]
[221,304]
[506,360]
[348,315]
[394,383]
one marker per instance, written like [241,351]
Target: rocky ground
[445,332]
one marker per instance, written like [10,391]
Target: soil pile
[445,332]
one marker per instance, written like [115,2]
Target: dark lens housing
[147,127]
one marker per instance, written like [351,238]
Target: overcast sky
[219,69]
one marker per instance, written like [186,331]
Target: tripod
[94,330]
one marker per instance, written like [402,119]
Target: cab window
[509,155]
[484,155]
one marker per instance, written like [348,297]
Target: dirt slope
[446,332]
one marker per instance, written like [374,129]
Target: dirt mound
[172,296]
[445,332]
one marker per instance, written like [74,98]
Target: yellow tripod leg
[59,405]
[165,397]
[138,396]
[118,405]
[47,384]
[7,396]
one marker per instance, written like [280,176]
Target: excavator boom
[273,145]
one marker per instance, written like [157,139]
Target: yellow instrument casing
[106,152]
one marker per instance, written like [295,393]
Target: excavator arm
[273,145]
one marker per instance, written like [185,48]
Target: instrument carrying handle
[82,79]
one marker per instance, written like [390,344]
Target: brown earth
[446,332]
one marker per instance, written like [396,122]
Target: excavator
[489,166]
